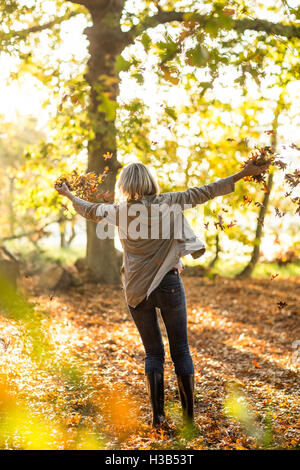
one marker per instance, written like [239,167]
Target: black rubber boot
[155,385]
[186,393]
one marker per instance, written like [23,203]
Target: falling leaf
[246,200]
[280,164]
[271,132]
[281,304]
[296,200]
[255,363]
[3,345]
[220,223]
[107,155]
[232,224]
[293,179]
[278,213]
[295,147]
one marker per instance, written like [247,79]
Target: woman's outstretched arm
[92,211]
[199,195]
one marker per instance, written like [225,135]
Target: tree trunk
[11,196]
[247,271]
[106,43]
[64,241]
[9,267]
[216,257]
[62,232]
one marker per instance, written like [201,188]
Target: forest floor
[244,347]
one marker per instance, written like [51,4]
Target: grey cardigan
[146,260]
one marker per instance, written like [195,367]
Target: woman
[155,235]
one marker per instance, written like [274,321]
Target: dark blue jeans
[169,297]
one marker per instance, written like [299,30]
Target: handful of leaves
[86,186]
[260,156]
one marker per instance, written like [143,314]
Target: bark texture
[106,42]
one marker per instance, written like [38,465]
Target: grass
[64,255]
[222,268]
[261,270]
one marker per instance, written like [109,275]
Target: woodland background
[190,88]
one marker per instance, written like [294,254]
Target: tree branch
[32,232]
[93,4]
[37,28]
[162,17]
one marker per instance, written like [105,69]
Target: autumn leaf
[295,147]
[232,224]
[220,223]
[246,200]
[270,132]
[255,363]
[293,179]
[280,164]
[296,200]
[281,304]
[107,156]
[278,213]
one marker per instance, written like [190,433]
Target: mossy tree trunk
[106,42]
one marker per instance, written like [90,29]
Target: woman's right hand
[252,170]
[63,190]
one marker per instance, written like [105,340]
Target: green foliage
[122,65]
[107,106]
[146,41]
[236,407]
[198,56]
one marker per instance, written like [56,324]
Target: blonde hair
[136,180]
